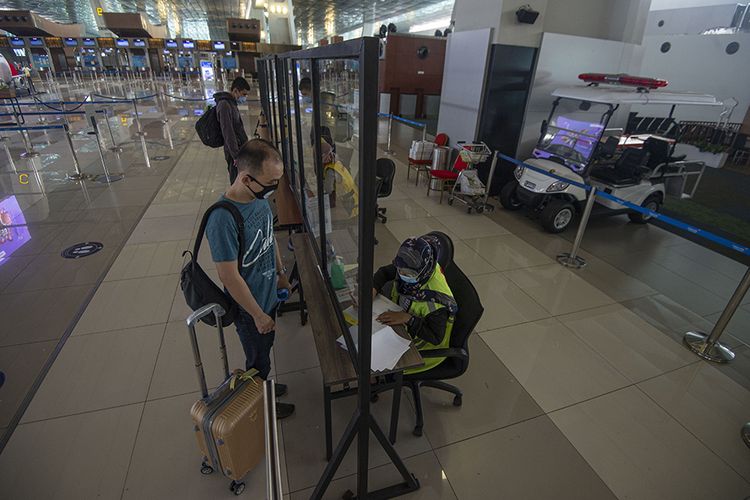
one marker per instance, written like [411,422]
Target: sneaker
[283,410]
[280,390]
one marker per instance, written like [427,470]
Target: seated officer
[418,286]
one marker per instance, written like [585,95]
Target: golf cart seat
[658,150]
[629,169]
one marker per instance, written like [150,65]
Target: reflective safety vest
[347,191]
[421,309]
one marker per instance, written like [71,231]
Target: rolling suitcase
[228,423]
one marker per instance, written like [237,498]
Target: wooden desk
[335,364]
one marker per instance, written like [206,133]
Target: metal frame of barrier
[707,346]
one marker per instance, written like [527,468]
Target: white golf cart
[575,144]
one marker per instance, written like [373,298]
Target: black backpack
[208,127]
[198,287]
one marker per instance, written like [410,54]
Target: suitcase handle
[192,320]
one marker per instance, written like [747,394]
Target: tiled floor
[578,386]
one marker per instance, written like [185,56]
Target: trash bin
[440,157]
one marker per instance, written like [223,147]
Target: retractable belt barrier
[705,345]
[392,117]
[637,208]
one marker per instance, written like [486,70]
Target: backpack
[208,127]
[198,287]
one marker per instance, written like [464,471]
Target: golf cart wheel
[653,203]
[508,198]
[557,215]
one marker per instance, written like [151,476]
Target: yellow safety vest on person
[348,195]
[421,309]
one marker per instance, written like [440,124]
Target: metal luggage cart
[471,155]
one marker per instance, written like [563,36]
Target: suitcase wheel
[206,469]
[237,487]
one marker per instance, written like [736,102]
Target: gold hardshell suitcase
[229,422]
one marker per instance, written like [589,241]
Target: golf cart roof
[629,95]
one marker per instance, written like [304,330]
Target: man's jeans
[257,346]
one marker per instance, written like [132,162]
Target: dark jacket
[231,125]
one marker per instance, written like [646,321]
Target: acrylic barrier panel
[339,141]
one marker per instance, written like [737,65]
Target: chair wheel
[417,431]
[458,400]
[206,469]
[348,495]
[374,398]
[450,201]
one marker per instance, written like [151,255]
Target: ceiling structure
[316,19]
[206,19]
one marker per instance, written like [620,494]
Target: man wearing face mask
[230,121]
[259,168]
[415,281]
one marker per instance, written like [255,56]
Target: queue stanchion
[29,153]
[165,120]
[745,433]
[78,175]
[708,346]
[4,141]
[99,147]
[115,148]
[572,259]
[141,134]
[424,132]
[388,149]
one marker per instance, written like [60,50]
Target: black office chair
[443,247]
[470,310]
[385,170]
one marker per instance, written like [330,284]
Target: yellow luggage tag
[250,374]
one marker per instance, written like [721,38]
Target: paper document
[387,347]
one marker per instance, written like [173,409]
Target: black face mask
[263,193]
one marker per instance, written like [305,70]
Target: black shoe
[283,410]
[280,390]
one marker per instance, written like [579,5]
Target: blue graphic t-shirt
[259,261]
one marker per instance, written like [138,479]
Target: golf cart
[575,144]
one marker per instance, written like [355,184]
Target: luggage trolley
[468,189]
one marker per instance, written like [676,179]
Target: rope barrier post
[115,148]
[29,153]
[165,120]
[708,347]
[424,132]
[78,175]
[4,140]
[141,134]
[388,149]
[745,433]
[99,146]
[572,259]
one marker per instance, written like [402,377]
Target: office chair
[457,355]
[385,170]
[443,248]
